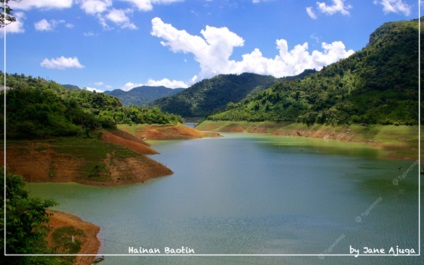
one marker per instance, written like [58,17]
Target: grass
[67,240]
[400,141]
[92,151]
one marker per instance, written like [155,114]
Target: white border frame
[321,255]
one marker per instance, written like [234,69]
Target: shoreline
[90,244]
[398,142]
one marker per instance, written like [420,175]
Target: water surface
[255,194]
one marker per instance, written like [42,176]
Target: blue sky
[111,44]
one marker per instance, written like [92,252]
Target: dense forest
[143,95]
[23,214]
[212,95]
[37,108]
[377,85]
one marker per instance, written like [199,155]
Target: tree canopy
[37,108]
[377,85]
[26,222]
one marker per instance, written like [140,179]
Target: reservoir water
[256,194]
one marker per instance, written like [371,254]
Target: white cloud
[338,6]
[18,25]
[119,17]
[93,7]
[43,4]
[100,83]
[69,25]
[311,12]
[167,83]
[147,5]
[130,85]
[164,82]
[43,25]
[92,89]
[213,51]
[394,6]
[61,63]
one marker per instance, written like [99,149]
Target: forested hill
[143,95]
[37,108]
[212,95]
[377,85]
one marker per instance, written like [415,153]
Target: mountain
[71,87]
[143,95]
[212,95]
[376,85]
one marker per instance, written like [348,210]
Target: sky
[120,44]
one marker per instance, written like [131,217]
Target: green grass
[401,141]
[63,244]
[92,151]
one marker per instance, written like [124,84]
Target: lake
[256,194]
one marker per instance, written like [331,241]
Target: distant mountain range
[138,96]
[212,95]
[143,95]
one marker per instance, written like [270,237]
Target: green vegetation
[396,141]
[26,223]
[212,95]
[37,108]
[377,85]
[143,95]
[62,239]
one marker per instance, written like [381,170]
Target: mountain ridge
[214,94]
[376,85]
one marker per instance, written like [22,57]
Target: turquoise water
[255,194]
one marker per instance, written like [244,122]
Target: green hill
[143,95]
[37,108]
[212,95]
[376,85]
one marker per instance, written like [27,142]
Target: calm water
[255,194]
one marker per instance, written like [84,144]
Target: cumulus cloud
[18,25]
[43,4]
[338,6]
[93,7]
[44,25]
[164,82]
[61,63]
[100,83]
[394,6]
[213,50]
[311,12]
[119,17]
[130,85]
[167,83]
[93,89]
[147,5]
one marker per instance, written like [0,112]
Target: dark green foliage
[71,87]
[377,85]
[212,95]
[37,108]
[26,223]
[143,95]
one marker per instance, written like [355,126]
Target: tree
[26,222]
[6,16]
